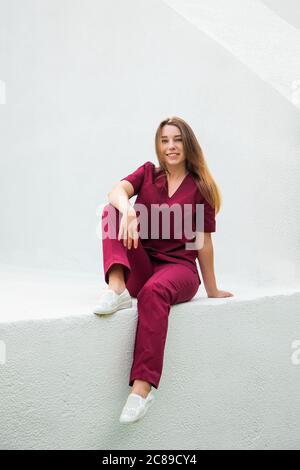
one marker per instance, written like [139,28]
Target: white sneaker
[136,407]
[110,302]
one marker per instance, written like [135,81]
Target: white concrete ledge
[35,294]
[230,377]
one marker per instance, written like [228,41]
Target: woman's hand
[128,228]
[219,293]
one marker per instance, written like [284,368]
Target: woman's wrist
[130,211]
[126,207]
[211,291]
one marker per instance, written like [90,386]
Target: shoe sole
[120,306]
[150,403]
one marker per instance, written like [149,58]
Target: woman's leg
[122,267]
[116,278]
[170,284]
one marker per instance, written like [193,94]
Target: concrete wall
[86,86]
[253,33]
[83,88]
[288,10]
[231,379]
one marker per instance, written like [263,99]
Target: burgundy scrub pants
[157,285]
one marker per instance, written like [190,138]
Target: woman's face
[171,146]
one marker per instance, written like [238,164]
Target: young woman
[158,269]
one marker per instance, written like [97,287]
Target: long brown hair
[194,160]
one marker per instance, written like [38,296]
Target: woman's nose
[171,146]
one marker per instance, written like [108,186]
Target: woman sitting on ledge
[159,271]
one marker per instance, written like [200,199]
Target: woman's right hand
[128,228]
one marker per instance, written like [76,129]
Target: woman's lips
[172,156]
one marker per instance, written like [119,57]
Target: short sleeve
[136,178]
[209,215]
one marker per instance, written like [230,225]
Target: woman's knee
[110,221]
[152,290]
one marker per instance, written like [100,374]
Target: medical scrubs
[161,271]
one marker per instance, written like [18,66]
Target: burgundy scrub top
[151,187]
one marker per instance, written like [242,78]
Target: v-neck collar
[178,188]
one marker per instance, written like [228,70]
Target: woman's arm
[206,262]
[119,196]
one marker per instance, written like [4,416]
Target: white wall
[87,84]
[286,9]
[234,386]
[253,33]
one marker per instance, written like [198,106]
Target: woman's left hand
[219,293]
